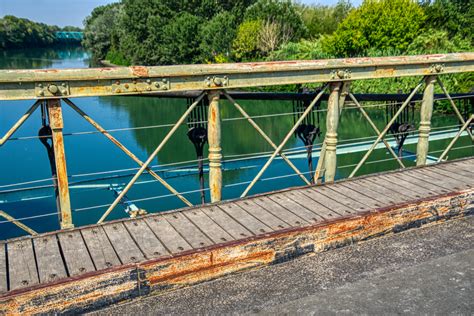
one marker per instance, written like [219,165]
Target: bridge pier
[425,121]
[214,140]
[332,121]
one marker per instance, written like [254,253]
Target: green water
[25,160]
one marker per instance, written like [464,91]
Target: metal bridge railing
[51,87]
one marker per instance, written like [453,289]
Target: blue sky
[73,12]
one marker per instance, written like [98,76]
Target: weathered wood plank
[421,183]
[357,186]
[22,270]
[145,239]
[101,250]
[195,237]
[279,211]
[296,208]
[389,187]
[245,219]
[231,226]
[457,169]
[333,205]
[443,172]
[424,177]
[170,238]
[347,201]
[418,191]
[311,204]
[76,255]
[3,268]
[208,226]
[448,181]
[48,258]
[263,215]
[393,194]
[465,165]
[123,243]
[355,195]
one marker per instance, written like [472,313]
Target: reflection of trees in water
[238,137]
[39,57]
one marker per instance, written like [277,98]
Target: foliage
[283,12]
[305,49]
[246,42]
[377,24]
[217,36]
[23,33]
[456,17]
[324,19]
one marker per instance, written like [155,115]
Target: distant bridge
[74,36]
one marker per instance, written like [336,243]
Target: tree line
[159,32]
[22,33]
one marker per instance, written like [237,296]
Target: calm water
[25,160]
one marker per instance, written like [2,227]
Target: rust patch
[139,71]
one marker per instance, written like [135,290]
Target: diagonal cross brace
[150,158]
[20,122]
[374,127]
[126,150]
[385,130]
[455,139]
[285,140]
[265,136]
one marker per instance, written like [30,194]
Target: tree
[324,19]
[217,36]
[246,42]
[282,12]
[378,24]
[272,35]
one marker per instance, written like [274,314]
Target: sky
[73,12]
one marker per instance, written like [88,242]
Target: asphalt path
[428,270]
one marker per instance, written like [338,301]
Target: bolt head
[53,88]
[157,84]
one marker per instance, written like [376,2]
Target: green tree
[217,36]
[246,42]
[283,12]
[377,24]
[324,19]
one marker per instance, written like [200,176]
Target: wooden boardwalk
[169,246]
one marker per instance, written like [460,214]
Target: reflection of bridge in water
[72,36]
[78,269]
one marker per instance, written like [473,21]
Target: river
[138,124]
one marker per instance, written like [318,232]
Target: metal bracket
[135,85]
[51,89]
[436,68]
[217,81]
[341,74]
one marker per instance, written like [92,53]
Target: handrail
[51,83]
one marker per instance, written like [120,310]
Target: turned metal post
[214,141]
[56,124]
[425,121]
[332,121]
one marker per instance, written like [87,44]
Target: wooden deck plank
[457,170]
[193,235]
[208,226]
[421,183]
[279,211]
[123,243]
[3,268]
[383,191]
[48,258]
[170,238]
[465,165]
[423,176]
[245,219]
[101,250]
[419,192]
[348,202]
[355,195]
[295,208]
[457,183]
[311,204]
[145,239]
[231,226]
[370,192]
[331,204]
[468,181]
[22,270]
[262,214]
[388,185]
[76,255]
